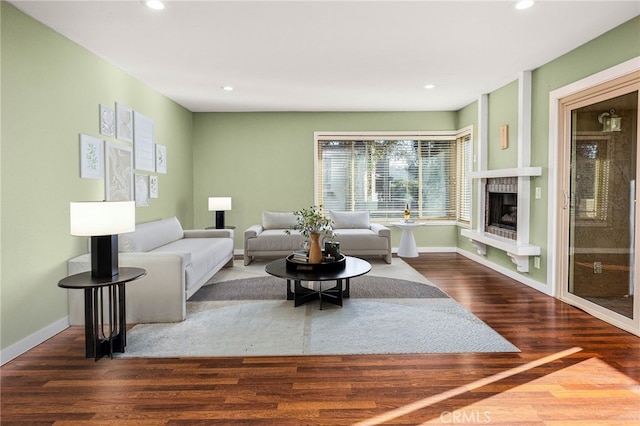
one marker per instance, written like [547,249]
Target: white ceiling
[329,55]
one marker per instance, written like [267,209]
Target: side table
[407,240]
[104,338]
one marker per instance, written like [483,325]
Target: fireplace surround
[510,185]
[501,207]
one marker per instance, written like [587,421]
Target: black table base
[301,294]
[106,333]
[105,324]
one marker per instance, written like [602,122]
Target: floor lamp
[103,221]
[219,205]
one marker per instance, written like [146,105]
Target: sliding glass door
[601,230]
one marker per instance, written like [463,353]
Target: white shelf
[519,253]
[515,172]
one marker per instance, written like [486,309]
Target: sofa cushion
[151,235]
[349,220]
[276,240]
[205,254]
[278,220]
[358,239]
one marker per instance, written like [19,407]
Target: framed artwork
[91,157]
[124,123]
[142,190]
[143,142]
[119,173]
[161,159]
[153,186]
[107,121]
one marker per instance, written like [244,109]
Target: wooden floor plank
[572,369]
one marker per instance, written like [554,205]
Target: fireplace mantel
[514,172]
[519,253]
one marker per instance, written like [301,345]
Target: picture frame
[142,190]
[118,172]
[124,123]
[107,121]
[143,140]
[91,157]
[153,187]
[161,159]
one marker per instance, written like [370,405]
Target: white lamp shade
[219,203]
[93,218]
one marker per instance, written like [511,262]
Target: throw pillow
[278,220]
[350,220]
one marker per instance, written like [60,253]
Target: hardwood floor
[573,369]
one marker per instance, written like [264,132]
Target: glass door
[602,223]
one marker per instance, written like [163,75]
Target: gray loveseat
[178,263]
[357,235]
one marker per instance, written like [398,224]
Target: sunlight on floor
[393,414]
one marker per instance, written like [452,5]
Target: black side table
[104,338]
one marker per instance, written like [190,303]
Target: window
[463,150]
[383,173]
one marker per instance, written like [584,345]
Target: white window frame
[453,135]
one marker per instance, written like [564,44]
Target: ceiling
[329,55]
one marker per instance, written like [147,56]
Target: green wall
[51,89]
[614,47]
[264,161]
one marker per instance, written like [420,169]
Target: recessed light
[227,88]
[524,4]
[429,86]
[155,4]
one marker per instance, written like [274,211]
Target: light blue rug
[426,321]
[361,326]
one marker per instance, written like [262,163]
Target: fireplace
[501,203]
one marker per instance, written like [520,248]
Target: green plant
[312,221]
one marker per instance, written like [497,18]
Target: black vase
[331,249]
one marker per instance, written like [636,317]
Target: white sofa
[178,262]
[357,235]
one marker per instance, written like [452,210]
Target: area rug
[272,288]
[392,316]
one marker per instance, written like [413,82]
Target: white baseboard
[240,252]
[436,249]
[430,250]
[33,340]
[541,287]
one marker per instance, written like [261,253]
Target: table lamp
[219,205]
[103,221]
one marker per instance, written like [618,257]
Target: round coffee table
[354,267]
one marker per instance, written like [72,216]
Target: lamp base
[104,256]
[220,219]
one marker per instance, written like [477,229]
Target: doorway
[598,239]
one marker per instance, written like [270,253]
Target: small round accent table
[407,240]
[104,338]
[354,267]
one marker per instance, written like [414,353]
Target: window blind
[464,182]
[382,174]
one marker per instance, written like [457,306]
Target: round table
[407,240]
[103,338]
[354,267]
